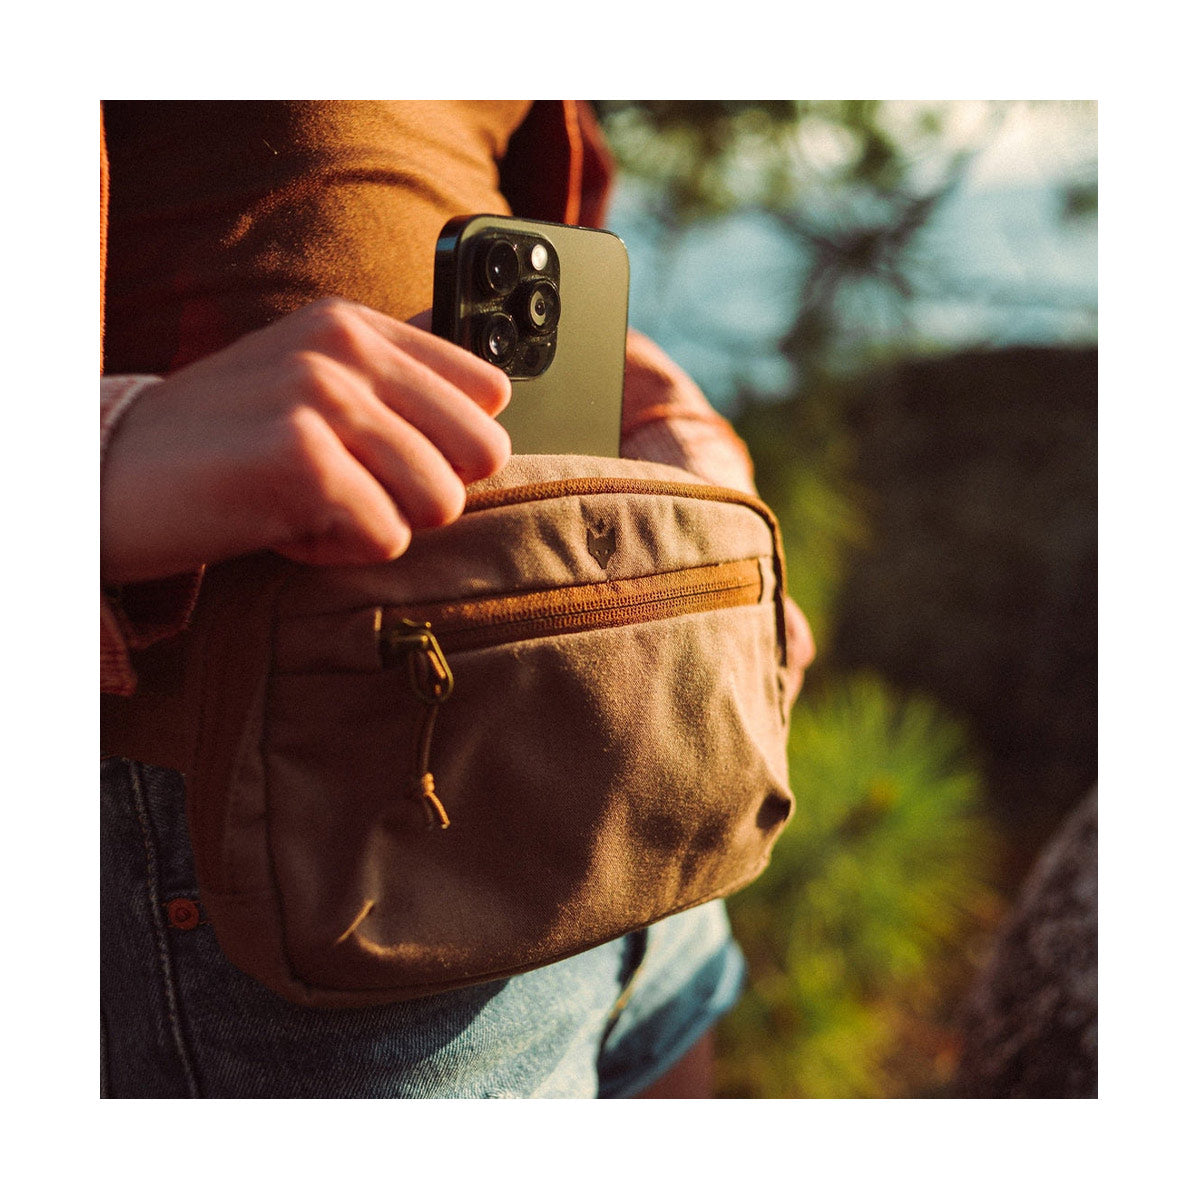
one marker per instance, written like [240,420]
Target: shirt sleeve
[137,615]
[668,420]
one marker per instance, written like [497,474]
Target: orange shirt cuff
[137,615]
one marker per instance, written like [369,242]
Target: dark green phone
[548,304]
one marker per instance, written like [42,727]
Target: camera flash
[538,257]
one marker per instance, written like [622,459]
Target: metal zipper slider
[432,681]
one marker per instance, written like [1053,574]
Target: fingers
[437,389]
[422,463]
[801,649]
[801,645]
[420,474]
[485,384]
[468,437]
[338,512]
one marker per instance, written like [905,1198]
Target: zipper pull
[432,681]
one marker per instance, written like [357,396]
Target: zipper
[417,638]
[414,644]
[553,489]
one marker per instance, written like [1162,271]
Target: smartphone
[549,305]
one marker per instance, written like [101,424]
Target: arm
[668,420]
[328,437]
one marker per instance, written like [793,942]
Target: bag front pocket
[418,638]
[604,754]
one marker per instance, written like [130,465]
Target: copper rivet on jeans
[183,914]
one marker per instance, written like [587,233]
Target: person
[269,382]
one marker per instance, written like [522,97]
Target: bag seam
[428,987]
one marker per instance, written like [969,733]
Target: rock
[1030,1023]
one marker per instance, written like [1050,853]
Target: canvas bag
[556,720]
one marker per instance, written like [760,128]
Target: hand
[801,649]
[328,436]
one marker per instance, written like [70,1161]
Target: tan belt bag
[554,721]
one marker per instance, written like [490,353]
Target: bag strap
[158,723]
[198,685]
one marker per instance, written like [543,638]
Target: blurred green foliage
[860,934]
[803,460]
[873,893]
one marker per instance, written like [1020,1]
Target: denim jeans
[177,1019]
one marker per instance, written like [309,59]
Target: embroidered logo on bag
[601,543]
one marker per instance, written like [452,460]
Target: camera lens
[533,358]
[497,339]
[539,307]
[500,267]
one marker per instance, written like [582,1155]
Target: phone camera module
[500,267]
[497,339]
[539,307]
